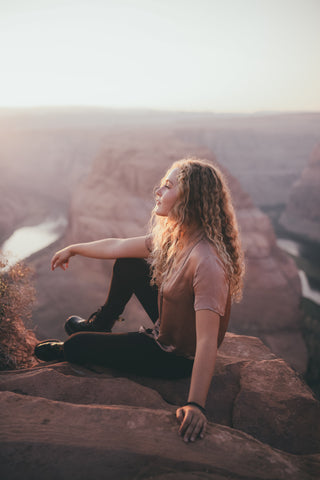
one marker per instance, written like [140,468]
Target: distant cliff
[302,213]
[40,164]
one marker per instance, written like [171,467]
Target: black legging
[132,352]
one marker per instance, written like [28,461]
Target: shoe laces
[94,316]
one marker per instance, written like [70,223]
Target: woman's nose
[158,192]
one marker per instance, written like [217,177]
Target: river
[296,250]
[28,240]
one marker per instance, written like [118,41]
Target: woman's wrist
[195,404]
[72,250]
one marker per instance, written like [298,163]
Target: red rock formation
[302,213]
[59,420]
[46,439]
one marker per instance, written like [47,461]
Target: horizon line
[154,109]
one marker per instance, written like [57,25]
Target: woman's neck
[189,234]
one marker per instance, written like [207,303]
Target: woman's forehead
[172,175]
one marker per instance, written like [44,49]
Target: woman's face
[167,194]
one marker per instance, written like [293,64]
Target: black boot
[49,350]
[97,322]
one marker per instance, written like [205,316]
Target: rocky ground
[65,421]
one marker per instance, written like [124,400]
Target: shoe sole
[53,360]
[48,340]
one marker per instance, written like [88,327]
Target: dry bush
[17,295]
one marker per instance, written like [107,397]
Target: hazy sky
[217,55]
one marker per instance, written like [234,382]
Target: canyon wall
[265,152]
[302,213]
[40,165]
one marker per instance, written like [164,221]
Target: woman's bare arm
[193,421]
[103,249]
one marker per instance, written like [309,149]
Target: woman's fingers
[188,434]
[180,414]
[197,431]
[64,265]
[195,427]
[60,259]
[185,422]
[55,262]
[193,423]
[204,428]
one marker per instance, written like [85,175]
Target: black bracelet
[203,410]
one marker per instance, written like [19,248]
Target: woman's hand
[61,259]
[193,423]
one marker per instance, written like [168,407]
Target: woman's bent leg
[130,276]
[131,352]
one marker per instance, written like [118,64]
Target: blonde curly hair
[204,204]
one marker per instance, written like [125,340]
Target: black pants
[132,352]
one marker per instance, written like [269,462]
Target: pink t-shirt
[198,282]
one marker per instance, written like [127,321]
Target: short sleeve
[210,285]
[148,242]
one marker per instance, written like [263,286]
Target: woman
[195,268]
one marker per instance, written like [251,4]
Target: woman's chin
[160,213]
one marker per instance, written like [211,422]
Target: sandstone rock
[256,392]
[252,391]
[75,385]
[302,213]
[272,395]
[41,438]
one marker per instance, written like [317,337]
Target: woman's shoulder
[204,252]
[204,248]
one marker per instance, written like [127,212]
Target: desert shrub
[17,295]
